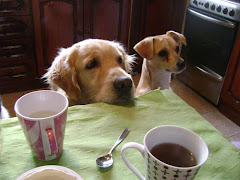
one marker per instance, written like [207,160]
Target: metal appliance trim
[223,8]
[213,20]
[210,73]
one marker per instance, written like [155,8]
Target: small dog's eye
[177,49]
[120,60]
[92,64]
[162,53]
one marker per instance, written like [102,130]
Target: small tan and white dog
[92,71]
[161,59]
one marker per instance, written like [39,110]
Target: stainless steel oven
[210,29]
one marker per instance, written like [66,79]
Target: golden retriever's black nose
[123,84]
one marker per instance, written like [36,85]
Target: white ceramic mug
[156,169]
[42,115]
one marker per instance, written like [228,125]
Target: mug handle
[138,147]
[53,148]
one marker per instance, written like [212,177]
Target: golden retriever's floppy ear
[179,38]
[129,61]
[145,48]
[62,73]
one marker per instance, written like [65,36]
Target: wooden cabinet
[17,60]
[56,24]
[60,23]
[161,16]
[230,95]
[107,19]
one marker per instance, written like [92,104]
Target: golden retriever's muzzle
[123,86]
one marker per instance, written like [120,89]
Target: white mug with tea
[170,152]
[42,115]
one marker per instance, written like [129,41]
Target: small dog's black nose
[181,65]
[123,84]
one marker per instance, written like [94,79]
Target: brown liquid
[174,154]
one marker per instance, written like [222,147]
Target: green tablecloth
[92,130]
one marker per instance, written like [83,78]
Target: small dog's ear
[62,73]
[179,38]
[145,48]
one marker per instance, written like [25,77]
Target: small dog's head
[163,51]
[93,70]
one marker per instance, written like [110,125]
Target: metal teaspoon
[106,161]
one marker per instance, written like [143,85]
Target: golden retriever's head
[91,71]
[162,51]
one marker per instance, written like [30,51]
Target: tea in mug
[174,154]
[42,114]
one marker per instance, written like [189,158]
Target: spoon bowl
[106,161]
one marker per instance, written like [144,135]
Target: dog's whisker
[90,91]
[90,96]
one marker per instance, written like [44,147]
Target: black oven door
[209,45]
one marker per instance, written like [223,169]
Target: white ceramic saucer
[50,172]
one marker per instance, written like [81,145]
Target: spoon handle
[120,139]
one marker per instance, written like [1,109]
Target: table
[92,130]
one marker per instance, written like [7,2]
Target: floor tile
[222,123]
[201,105]
[179,88]
[10,99]
[235,140]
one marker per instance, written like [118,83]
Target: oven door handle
[213,20]
[210,73]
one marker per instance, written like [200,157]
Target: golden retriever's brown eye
[177,49]
[163,53]
[120,60]
[92,64]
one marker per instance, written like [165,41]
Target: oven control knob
[206,5]
[231,13]
[195,2]
[213,7]
[219,8]
[225,10]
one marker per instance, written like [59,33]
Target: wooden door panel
[58,23]
[231,88]
[106,24]
[157,17]
[235,86]
[107,19]
[57,28]
[230,95]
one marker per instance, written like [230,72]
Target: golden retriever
[92,70]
